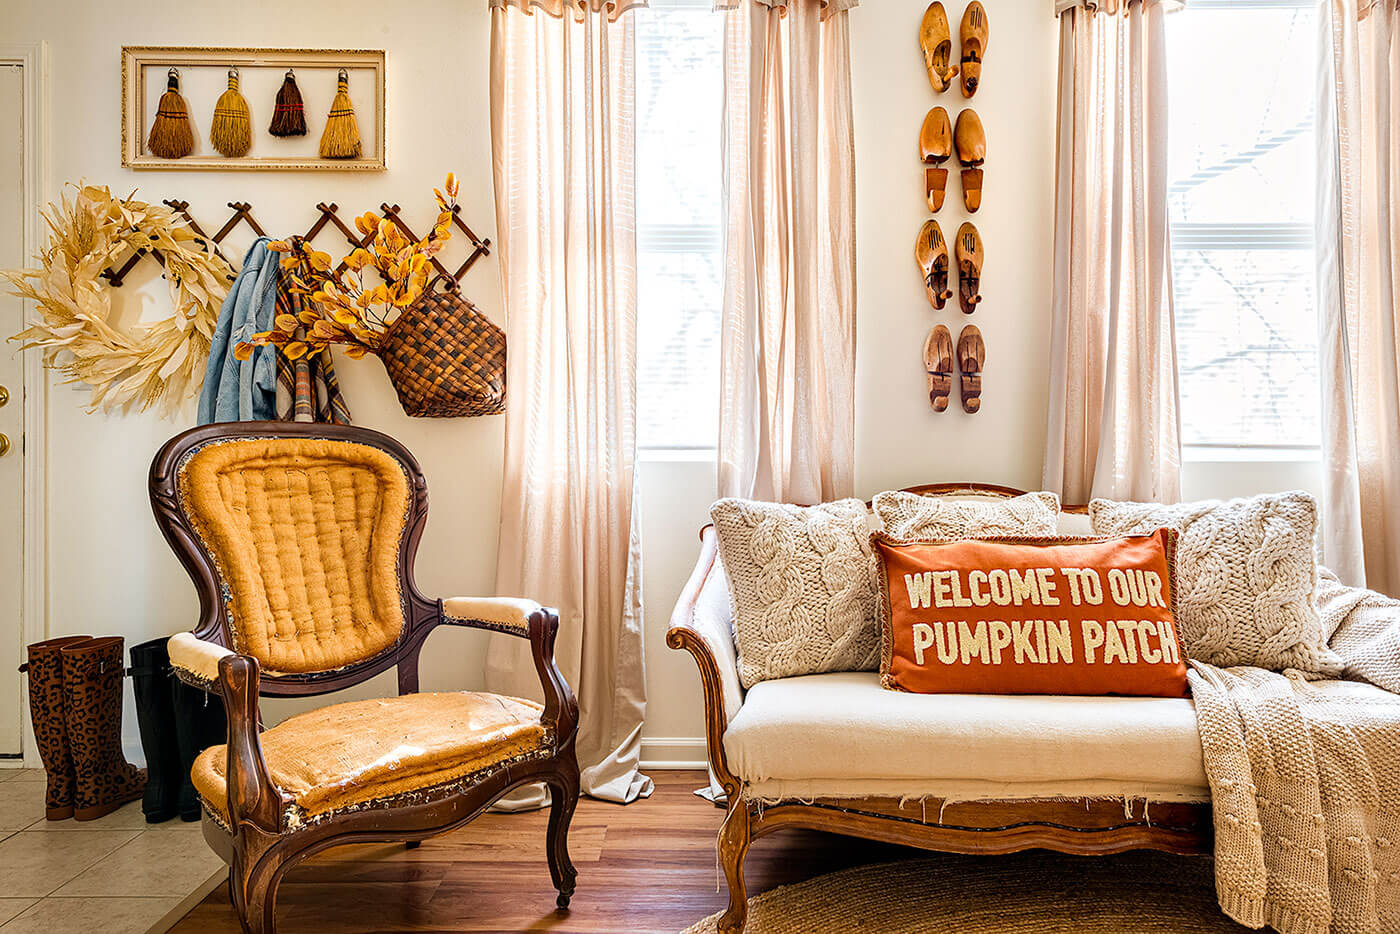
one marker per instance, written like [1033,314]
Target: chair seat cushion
[354,753]
[842,735]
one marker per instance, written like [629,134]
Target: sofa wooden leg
[734,838]
[563,799]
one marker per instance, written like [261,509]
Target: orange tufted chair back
[305,535]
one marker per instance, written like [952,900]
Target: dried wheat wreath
[159,363]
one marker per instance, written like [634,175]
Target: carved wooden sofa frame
[1084,826]
[258,844]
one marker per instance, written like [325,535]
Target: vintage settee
[959,773]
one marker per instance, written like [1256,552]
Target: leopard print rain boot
[45,669]
[92,679]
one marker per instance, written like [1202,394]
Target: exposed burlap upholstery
[305,533]
[353,753]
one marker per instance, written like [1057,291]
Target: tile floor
[117,874]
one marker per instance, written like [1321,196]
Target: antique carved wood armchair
[301,540]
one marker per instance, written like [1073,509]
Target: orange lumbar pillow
[1030,616]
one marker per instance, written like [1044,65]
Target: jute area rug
[1025,893]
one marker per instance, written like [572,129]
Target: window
[1241,193]
[680,251]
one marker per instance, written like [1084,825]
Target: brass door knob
[4,396]
[4,445]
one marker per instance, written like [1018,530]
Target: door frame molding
[32,57]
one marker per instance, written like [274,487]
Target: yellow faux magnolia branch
[161,363]
[342,308]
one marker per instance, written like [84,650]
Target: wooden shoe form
[931,251]
[937,42]
[938,363]
[972,34]
[969,254]
[971,142]
[936,147]
[972,354]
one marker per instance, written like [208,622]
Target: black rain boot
[199,724]
[155,714]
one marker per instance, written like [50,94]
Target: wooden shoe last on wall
[972,354]
[931,250]
[973,36]
[971,141]
[938,363]
[937,42]
[936,147]
[969,254]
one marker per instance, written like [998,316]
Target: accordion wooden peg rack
[327,215]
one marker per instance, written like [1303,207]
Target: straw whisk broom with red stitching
[171,137]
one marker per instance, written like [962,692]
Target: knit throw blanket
[1305,779]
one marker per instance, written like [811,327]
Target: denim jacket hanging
[244,390]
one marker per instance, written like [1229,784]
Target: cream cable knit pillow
[802,587]
[1246,572]
[913,515]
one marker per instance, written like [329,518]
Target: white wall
[900,440]
[110,572]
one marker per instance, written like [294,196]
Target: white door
[11,411]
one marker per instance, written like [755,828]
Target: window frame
[1247,236]
[680,238]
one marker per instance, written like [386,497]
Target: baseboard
[673,752]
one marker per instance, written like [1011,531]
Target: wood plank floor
[648,868]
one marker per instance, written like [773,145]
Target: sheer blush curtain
[788,331]
[562,105]
[1113,423]
[1359,247]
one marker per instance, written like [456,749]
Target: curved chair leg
[734,838]
[254,893]
[564,798]
[258,913]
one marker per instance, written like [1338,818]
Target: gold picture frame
[203,76]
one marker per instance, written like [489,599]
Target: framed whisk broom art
[224,108]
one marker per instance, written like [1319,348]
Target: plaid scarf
[309,384]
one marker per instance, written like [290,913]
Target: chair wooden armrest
[253,798]
[705,646]
[525,619]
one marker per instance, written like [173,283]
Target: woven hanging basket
[445,358]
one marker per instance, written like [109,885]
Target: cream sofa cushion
[842,735]
[1073,524]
